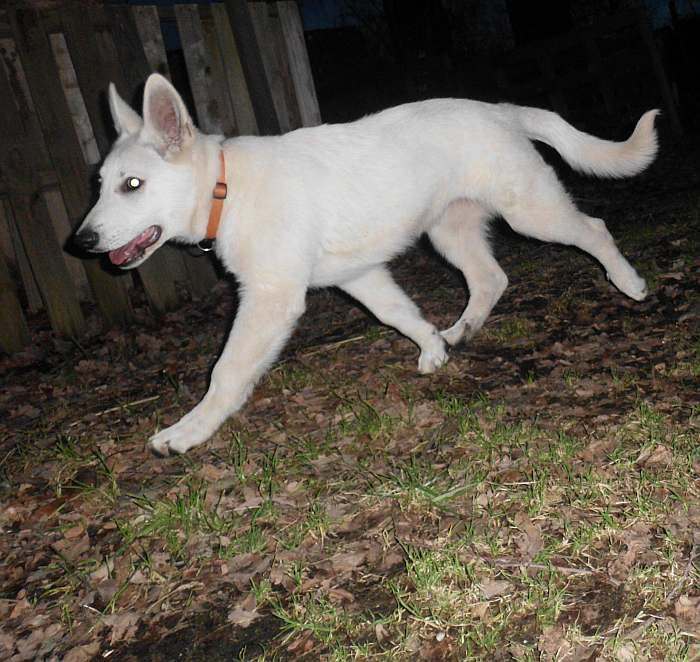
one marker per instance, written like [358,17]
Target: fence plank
[199,69]
[241,23]
[78,112]
[43,251]
[63,230]
[90,71]
[233,70]
[148,26]
[33,221]
[218,78]
[64,148]
[32,218]
[14,333]
[41,159]
[6,247]
[29,284]
[282,61]
[157,273]
[264,32]
[299,64]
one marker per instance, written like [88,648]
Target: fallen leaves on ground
[536,497]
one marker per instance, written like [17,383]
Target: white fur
[331,205]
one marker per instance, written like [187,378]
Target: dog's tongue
[135,247]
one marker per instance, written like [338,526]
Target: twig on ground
[169,594]
[344,341]
[126,405]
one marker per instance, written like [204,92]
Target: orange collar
[217,204]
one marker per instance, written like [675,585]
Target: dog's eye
[132,183]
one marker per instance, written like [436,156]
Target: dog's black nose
[86,239]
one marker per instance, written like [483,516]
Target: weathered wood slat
[240,20]
[218,79]
[233,70]
[52,108]
[35,228]
[131,55]
[63,230]
[210,113]
[79,114]
[29,284]
[282,62]
[63,145]
[19,169]
[14,334]
[157,273]
[299,64]
[148,26]
[18,162]
[45,257]
[91,73]
[264,33]
[25,105]
[41,160]
[6,247]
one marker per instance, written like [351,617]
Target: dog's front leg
[265,320]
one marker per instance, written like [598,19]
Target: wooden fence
[54,68]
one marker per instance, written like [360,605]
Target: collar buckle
[206,245]
[220,191]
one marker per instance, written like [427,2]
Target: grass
[439,590]
[513,328]
[500,486]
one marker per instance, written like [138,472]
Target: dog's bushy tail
[587,153]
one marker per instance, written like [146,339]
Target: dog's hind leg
[377,290]
[460,236]
[544,211]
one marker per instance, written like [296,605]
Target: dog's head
[147,182]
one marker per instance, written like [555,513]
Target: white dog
[331,205]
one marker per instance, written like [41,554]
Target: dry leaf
[553,644]
[529,542]
[123,626]
[82,653]
[242,617]
[340,596]
[345,562]
[660,457]
[687,609]
[495,587]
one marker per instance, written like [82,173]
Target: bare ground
[537,499]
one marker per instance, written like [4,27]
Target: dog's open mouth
[135,249]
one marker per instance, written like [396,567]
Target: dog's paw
[178,438]
[433,357]
[457,333]
[631,284]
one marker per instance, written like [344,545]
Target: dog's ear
[166,120]
[125,118]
